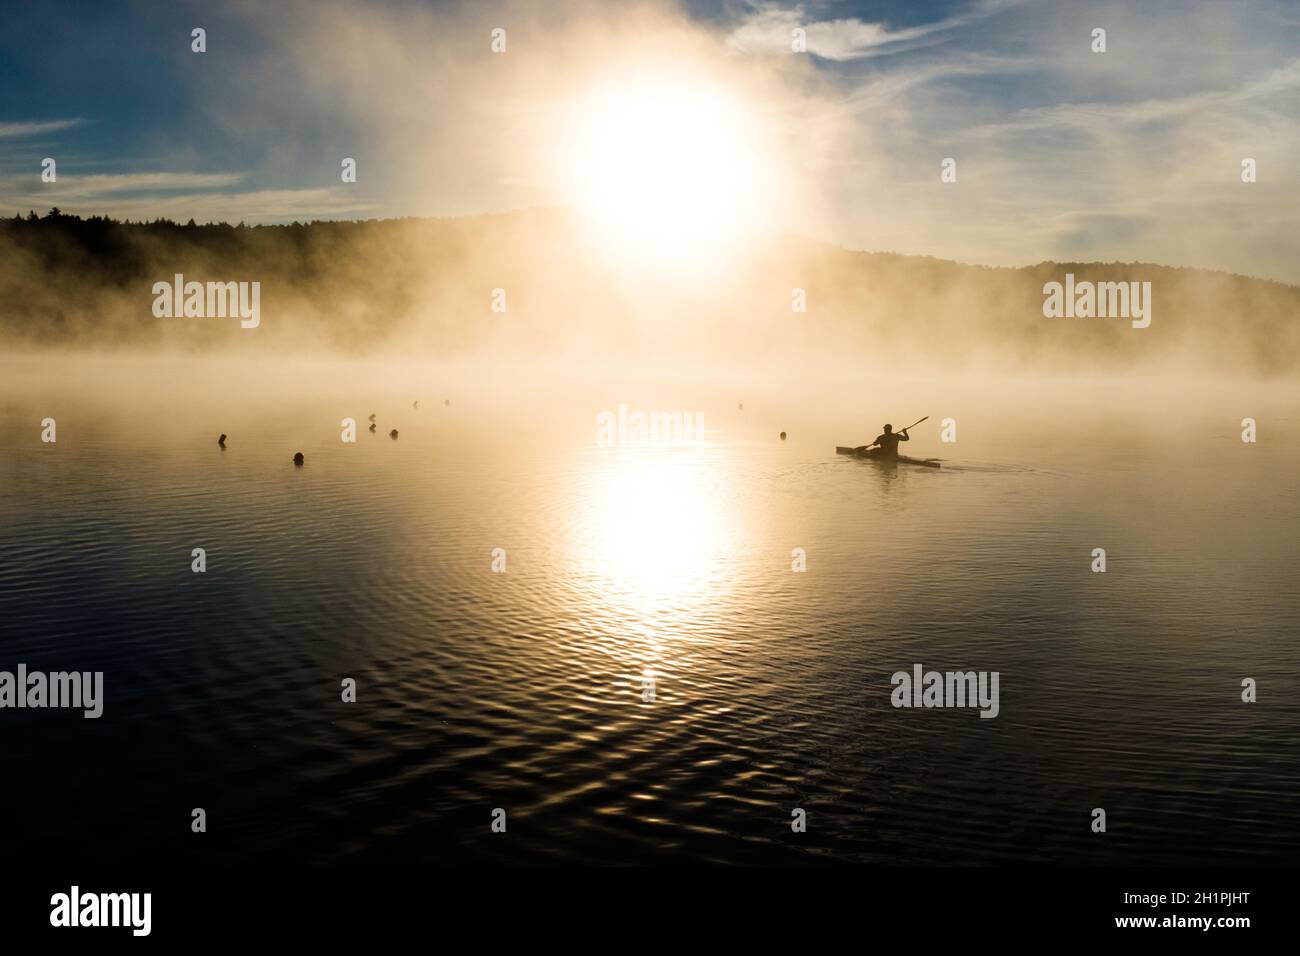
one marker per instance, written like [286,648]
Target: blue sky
[1061,152]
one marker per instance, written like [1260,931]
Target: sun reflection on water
[656,529]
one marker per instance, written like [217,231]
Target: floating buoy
[222,441]
[393,433]
[782,436]
[298,459]
[372,416]
[372,426]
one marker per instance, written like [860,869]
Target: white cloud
[769,29]
[101,185]
[15,130]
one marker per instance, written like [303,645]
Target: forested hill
[424,286]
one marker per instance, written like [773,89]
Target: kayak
[874,455]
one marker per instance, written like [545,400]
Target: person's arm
[902,436]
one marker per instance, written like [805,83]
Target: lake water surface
[525,690]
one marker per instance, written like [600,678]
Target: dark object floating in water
[393,433]
[222,441]
[873,454]
[446,401]
[782,436]
[741,406]
[372,416]
[298,459]
[372,426]
[415,404]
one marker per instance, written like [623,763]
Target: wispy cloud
[890,84]
[104,185]
[1091,115]
[15,130]
[769,28]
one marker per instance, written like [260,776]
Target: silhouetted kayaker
[888,442]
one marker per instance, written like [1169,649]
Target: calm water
[523,690]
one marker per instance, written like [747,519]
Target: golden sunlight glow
[658,527]
[666,171]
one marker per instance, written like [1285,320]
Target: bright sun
[666,171]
